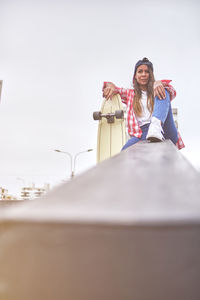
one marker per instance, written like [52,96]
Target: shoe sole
[154,139]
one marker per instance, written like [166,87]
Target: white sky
[54,57]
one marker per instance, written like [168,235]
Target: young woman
[149,112]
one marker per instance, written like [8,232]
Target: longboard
[111,130]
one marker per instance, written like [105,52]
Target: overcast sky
[54,57]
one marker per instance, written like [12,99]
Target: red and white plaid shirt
[127,96]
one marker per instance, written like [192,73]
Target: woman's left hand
[159,90]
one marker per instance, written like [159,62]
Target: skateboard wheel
[119,114]
[97,115]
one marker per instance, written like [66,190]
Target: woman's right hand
[109,90]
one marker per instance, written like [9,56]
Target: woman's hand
[159,90]
[109,90]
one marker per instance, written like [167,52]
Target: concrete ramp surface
[128,229]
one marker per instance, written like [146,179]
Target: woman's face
[142,75]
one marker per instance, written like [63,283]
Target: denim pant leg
[169,128]
[133,140]
[163,111]
[161,108]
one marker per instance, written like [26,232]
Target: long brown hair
[137,107]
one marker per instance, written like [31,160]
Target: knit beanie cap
[144,61]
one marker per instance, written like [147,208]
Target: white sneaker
[155,132]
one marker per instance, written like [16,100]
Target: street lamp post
[73,159]
[21,179]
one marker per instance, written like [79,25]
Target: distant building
[4,195]
[33,192]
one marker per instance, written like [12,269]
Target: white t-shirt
[146,116]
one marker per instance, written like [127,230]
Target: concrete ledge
[127,229]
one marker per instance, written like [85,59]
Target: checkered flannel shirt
[134,129]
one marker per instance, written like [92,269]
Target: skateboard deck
[111,130]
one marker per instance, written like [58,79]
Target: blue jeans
[162,110]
